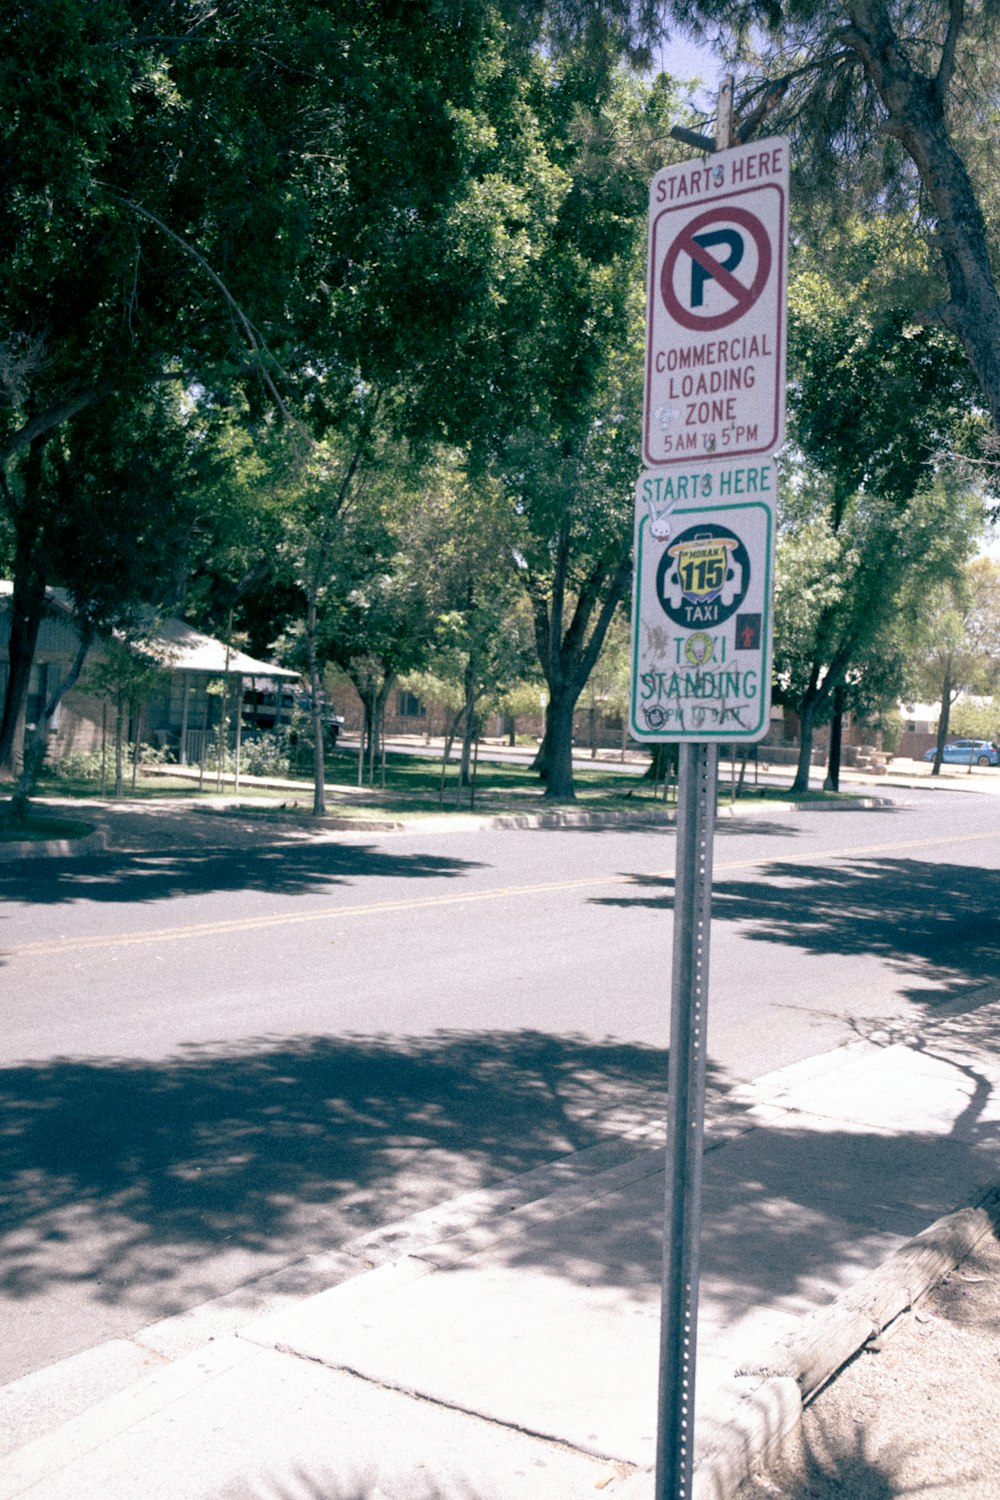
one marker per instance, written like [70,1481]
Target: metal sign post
[697,782]
[701,659]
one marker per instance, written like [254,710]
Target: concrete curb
[832,1335]
[101,839]
[573,817]
[90,843]
[797,1369]
[756,1423]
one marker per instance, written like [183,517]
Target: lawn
[413,789]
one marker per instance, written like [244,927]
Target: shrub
[267,755]
[155,755]
[79,765]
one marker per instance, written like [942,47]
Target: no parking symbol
[695,248]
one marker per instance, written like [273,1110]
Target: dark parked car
[264,709]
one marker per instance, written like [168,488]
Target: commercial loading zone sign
[714,415]
[715,356]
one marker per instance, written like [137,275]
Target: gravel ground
[919,1416]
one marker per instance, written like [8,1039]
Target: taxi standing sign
[714,414]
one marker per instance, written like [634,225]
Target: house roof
[181,647]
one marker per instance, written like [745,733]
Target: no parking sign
[715,355]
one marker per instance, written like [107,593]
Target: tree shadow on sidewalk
[157,1185]
[146,1182]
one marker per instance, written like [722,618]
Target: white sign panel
[701,609]
[715,355]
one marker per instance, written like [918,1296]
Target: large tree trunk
[316,690]
[450,731]
[25,621]
[540,763]
[381,702]
[35,754]
[567,660]
[807,728]
[832,782]
[469,712]
[558,747]
[947,693]
[27,607]
[663,760]
[120,747]
[813,704]
[916,116]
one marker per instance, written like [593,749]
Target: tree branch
[255,341]
[769,101]
[941,315]
[946,67]
[53,416]
[613,597]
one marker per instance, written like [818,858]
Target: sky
[683,58]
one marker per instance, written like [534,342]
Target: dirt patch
[913,1416]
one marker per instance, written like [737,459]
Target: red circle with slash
[743,296]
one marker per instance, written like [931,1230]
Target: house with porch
[199,680]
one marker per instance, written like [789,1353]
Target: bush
[891,724]
[79,765]
[266,756]
[975,719]
[154,755]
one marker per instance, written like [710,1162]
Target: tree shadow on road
[291,869]
[160,1184]
[936,921]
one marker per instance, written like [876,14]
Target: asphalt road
[228,1050]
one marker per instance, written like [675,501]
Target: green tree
[101,506]
[279,205]
[129,672]
[122,187]
[838,597]
[464,531]
[370,606]
[875,401]
[568,459]
[977,718]
[887,106]
[955,646]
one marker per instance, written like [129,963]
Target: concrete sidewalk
[506,1344]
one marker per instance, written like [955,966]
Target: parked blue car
[968,753]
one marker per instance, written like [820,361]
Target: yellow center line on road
[458,898]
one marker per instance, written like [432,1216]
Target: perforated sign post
[701,651]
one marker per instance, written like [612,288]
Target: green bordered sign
[701,609]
